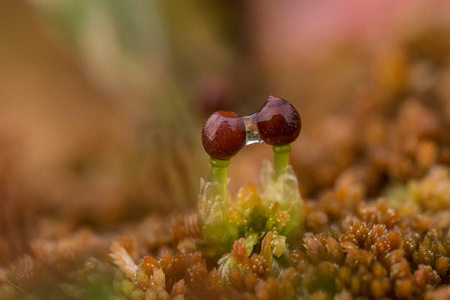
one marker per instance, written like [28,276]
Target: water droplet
[252,132]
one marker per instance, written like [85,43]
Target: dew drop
[252,132]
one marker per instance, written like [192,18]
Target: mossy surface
[395,246]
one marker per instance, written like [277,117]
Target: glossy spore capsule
[223,135]
[278,122]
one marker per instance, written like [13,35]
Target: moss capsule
[278,122]
[223,135]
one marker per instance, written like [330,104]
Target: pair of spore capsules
[277,123]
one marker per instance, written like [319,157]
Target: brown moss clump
[371,249]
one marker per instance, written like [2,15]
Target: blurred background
[102,102]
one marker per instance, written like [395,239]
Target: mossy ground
[394,246]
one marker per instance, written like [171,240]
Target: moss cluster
[395,247]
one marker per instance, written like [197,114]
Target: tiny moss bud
[278,122]
[223,135]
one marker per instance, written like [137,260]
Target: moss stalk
[281,160]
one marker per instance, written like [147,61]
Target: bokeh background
[102,102]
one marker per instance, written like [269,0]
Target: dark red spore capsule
[223,135]
[278,122]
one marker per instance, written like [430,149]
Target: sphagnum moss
[396,247]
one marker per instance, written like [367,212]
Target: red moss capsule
[223,135]
[278,122]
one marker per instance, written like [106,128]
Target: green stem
[224,232]
[219,171]
[281,160]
